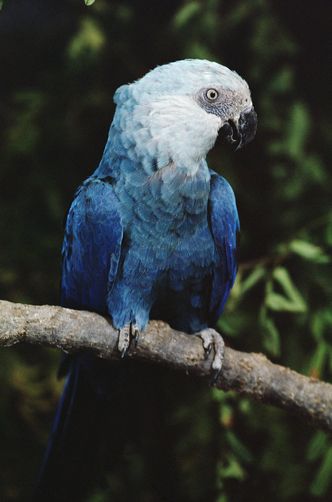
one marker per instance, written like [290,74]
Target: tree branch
[250,374]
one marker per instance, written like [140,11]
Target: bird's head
[176,111]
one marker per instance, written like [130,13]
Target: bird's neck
[153,189]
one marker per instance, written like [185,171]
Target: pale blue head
[176,111]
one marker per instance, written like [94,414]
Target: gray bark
[250,374]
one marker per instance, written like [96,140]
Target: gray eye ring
[212,94]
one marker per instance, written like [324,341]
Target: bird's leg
[127,334]
[210,339]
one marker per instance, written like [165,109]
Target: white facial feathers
[167,109]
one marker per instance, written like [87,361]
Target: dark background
[60,65]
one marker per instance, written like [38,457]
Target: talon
[207,350]
[136,336]
[127,334]
[124,340]
[213,339]
[214,378]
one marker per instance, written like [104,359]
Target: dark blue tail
[73,461]
[106,407]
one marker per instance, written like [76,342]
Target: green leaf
[226,415]
[292,301]
[271,337]
[232,325]
[321,323]
[233,469]
[89,41]
[253,278]
[184,15]
[308,251]
[222,498]
[244,405]
[89,2]
[279,303]
[282,80]
[298,130]
[323,478]
[238,447]
[318,360]
[316,446]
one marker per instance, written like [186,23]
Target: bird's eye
[212,94]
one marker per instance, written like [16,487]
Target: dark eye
[212,94]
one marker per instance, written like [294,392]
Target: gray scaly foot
[127,334]
[212,339]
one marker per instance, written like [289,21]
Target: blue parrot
[151,234]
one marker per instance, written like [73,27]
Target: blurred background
[61,62]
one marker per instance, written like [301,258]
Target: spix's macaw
[152,233]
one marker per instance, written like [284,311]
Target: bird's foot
[212,339]
[127,334]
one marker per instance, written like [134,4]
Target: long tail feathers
[70,464]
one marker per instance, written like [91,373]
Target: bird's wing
[91,253]
[224,224]
[92,246]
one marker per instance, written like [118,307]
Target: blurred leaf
[316,446]
[271,337]
[321,322]
[232,469]
[244,405]
[24,133]
[186,13]
[314,169]
[283,80]
[222,498]
[232,324]
[89,41]
[238,447]
[89,2]
[218,395]
[323,478]
[279,303]
[252,279]
[298,130]
[226,415]
[308,251]
[293,301]
[318,359]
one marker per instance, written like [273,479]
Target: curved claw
[127,334]
[210,339]
[136,334]
[124,340]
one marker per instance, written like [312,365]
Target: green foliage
[55,112]
[308,251]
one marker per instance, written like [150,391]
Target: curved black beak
[241,133]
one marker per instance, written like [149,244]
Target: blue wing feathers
[224,223]
[92,246]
